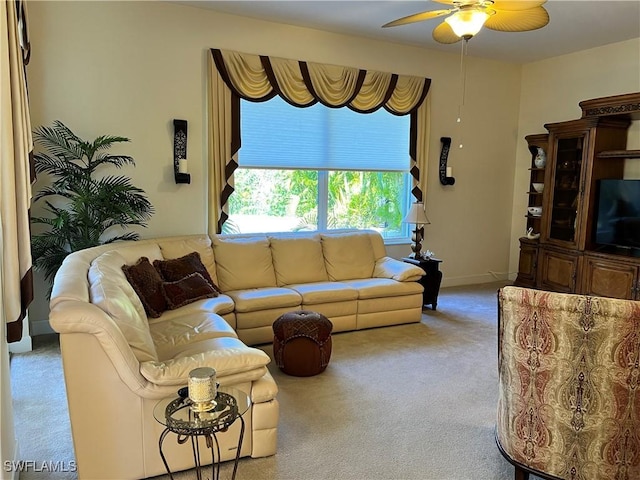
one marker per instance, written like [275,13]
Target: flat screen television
[618,214]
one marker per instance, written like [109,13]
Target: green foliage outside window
[356,199]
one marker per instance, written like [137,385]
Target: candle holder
[445,173]
[180,152]
[202,389]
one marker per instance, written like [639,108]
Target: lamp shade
[466,23]
[416,215]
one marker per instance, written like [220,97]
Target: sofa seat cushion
[383,287]
[227,355]
[264,299]
[325,292]
[243,263]
[298,259]
[171,335]
[348,256]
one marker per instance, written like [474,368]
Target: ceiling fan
[467,17]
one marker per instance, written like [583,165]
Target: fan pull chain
[463,86]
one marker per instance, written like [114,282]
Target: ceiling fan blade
[519,21]
[515,5]
[444,34]
[417,17]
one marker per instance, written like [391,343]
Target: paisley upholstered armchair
[569,385]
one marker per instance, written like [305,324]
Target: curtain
[233,76]
[16,172]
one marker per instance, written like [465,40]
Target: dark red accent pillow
[147,282]
[177,268]
[187,290]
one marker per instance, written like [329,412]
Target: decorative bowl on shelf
[538,187]
[535,211]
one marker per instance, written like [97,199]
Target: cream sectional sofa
[118,363]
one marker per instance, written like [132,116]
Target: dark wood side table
[430,281]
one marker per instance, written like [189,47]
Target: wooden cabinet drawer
[605,278]
[558,271]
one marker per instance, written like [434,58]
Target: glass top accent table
[176,414]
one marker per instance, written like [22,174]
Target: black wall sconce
[180,168]
[446,177]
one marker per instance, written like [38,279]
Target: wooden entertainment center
[566,258]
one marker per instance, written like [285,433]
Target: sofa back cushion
[298,259]
[111,292]
[348,256]
[195,243]
[133,251]
[243,262]
[377,244]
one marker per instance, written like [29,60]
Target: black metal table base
[211,441]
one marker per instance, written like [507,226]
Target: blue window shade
[277,135]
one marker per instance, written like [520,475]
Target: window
[320,168]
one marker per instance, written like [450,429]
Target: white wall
[551,90]
[129,68]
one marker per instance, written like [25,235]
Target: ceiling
[575,24]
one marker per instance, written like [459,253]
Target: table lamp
[417,216]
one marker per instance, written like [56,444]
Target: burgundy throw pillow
[187,290]
[178,268]
[147,283]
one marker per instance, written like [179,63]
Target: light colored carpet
[406,402]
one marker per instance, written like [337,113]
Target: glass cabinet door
[564,204]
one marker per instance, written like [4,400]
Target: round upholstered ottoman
[302,343]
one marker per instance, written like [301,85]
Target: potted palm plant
[82,209]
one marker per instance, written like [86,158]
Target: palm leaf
[103,143]
[52,189]
[124,237]
[57,142]
[106,141]
[56,166]
[117,161]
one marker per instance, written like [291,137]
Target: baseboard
[41,327]
[488,277]
[13,473]
[24,345]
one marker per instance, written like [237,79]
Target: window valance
[259,78]
[233,76]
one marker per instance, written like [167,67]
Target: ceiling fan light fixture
[465,23]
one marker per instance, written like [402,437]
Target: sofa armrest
[387,267]
[227,355]
[71,318]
